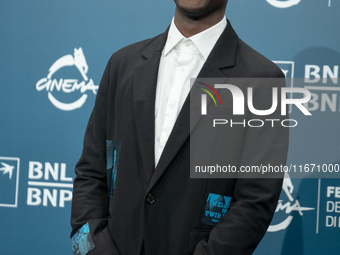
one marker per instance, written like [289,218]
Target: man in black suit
[133,193]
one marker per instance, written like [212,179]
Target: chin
[196,9]
[192,5]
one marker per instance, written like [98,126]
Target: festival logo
[9,181]
[293,205]
[67,86]
[283,4]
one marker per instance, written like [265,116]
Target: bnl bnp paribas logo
[9,181]
[72,91]
[48,184]
[321,80]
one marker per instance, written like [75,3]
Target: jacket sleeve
[90,193]
[254,199]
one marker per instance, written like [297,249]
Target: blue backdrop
[52,56]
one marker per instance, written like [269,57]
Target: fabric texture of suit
[162,208]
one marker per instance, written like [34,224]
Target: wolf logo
[78,60]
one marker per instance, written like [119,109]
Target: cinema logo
[287,208]
[283,4]
[238,100]
[67,86]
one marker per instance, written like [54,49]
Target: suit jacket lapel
[222,56]
[144,90]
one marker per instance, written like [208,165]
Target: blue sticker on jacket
[112,156]
[215,208]
[82,241]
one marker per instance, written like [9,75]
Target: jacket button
[150,199]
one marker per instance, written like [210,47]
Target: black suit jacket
[162,208]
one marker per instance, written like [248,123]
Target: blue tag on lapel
[112,156]
[82,241]
[215,208]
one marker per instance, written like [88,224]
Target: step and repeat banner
[52,56]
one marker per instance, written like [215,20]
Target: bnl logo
[9,181]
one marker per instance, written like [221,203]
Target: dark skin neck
[189,26]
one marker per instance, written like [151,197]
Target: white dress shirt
[182,58]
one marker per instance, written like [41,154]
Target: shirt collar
[204,41]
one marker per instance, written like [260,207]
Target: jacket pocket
[197,235]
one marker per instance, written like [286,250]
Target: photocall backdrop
[53,54]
